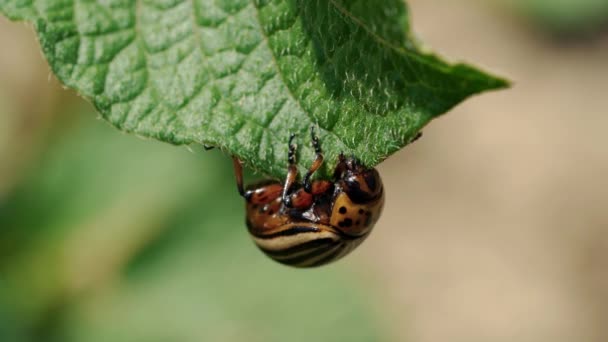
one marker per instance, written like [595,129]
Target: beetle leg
[238,173]
[341,167]
[292,172]
[316,163]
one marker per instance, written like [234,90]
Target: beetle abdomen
[302,245]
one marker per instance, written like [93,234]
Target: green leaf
[243,75]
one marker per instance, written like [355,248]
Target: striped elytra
[312,223]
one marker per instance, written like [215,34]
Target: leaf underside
[242,75]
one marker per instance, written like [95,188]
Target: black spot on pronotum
[370,179]
[270,212]
[346,223]
[355,193]
[342,210]
[357,223]
[361,211]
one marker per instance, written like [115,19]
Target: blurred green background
[494,228]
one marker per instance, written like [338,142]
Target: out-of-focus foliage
[5,125]
[565,16]
[108,237]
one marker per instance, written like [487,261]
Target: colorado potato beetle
[312,223]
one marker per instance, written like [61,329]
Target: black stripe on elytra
[300,248]
[302,229]
[295,230]
[329,257]
[314,253]
[345,236]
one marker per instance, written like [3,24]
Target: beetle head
[360,183]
